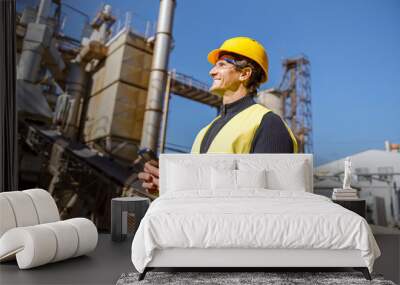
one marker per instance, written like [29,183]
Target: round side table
[126,214]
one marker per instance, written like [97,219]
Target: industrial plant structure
[87,105]
[376,176]
[292,100]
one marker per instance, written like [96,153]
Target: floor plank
[102,266]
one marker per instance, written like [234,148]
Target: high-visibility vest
[237,135]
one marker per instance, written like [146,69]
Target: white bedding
[250,218]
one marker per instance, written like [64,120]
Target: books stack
[344,194]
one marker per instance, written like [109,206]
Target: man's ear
[245,74]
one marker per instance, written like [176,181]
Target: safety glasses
[229,60]
[221,63]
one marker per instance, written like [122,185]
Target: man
[243,126]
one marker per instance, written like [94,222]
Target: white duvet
[250,219]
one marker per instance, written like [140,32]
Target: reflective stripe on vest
[237,135]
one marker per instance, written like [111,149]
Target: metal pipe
[162,46]
[165,114]
[43,11]
[75,86]
[29,61]
[37,39]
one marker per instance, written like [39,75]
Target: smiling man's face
[225,76]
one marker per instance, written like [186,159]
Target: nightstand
[357,206]
[126,214]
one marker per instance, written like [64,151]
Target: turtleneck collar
[237,106]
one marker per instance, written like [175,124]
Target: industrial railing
[135,23]
[189,81]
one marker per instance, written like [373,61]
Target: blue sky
[353,46]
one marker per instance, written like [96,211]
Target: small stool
[126,214]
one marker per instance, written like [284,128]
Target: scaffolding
[296,95]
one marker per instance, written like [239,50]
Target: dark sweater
[271,136]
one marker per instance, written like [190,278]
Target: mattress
[250,219]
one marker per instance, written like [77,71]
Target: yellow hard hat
[246,47]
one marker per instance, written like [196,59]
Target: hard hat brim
[214,55]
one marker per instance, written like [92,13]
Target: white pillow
[227,179]
[188,175]
[292,179]
[223,179]
[281,174]
[183,177]
[251,178]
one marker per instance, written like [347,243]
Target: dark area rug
[225,278]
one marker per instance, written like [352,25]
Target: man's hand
[150,176]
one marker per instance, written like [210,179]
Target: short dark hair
[257,73]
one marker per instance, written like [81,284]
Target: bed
[247,210]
